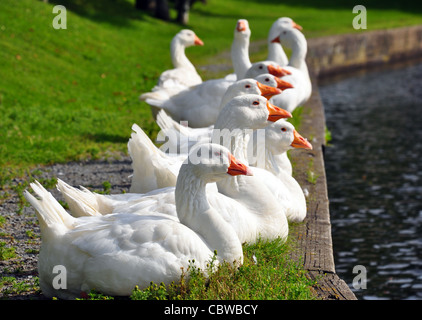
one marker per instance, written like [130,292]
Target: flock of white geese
[222,187]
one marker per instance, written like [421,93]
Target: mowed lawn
[73,94]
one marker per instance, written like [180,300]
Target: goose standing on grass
[291,37]
[183,75]
[114,253]
[255,211]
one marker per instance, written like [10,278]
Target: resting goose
[291,37]
[280,137]
[116,252]
[183,75]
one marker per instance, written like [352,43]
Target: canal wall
[330,57]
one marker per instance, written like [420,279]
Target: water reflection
[374,174]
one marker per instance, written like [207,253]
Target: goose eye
[284,32]
[260,67]
[255,103]
[267,79]
[283,129]
[248,86]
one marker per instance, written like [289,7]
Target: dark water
[374,175]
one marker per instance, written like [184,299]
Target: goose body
[114,253]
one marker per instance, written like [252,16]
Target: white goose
[284,187]
[280,137]
[148,160]
[183,75]
[116,252]
[263,215]
[290,36]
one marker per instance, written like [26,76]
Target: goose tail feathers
[52,216]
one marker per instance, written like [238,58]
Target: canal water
[374,176]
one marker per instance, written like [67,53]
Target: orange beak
[238,168]
[241,26]
[267,91]
[197,41]
[278,71]
[283,85]
[277,113]
[300,142]
[296,26]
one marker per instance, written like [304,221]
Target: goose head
[188,38]
[261,67]
[242,30]
[288,33]
[252,86]
[284,22]
[272,81]
[279,23]
[281,136]
[249,111]
[212,162]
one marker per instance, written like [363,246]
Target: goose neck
[240,57]
[178,55]
[195,212]
[299,50]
